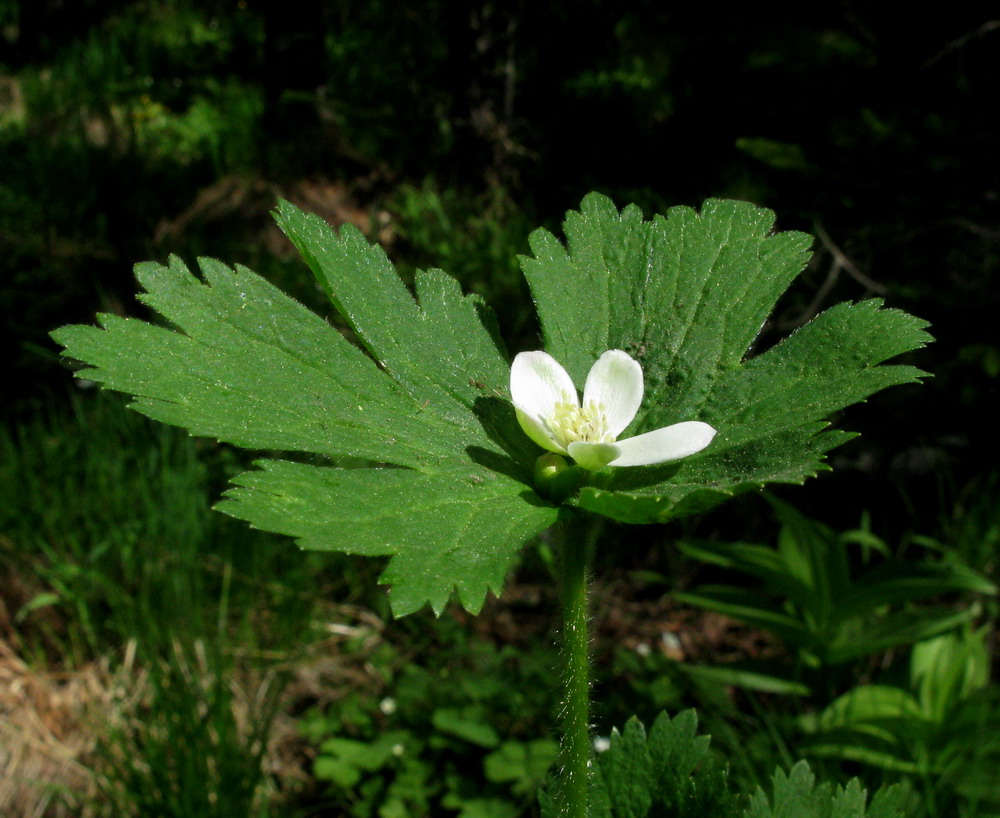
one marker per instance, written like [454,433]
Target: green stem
[575,749]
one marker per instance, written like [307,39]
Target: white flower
[549,410]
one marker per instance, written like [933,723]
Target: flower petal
[593,456]
[538,432]
[615,381]
[664,445]
[537,383]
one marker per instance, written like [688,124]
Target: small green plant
[456,728]
[668,774]
[797,795]
[831,607]
[941,726]
[422,443]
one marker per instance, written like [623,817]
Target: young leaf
[686,295]
[796,795]
[664,773]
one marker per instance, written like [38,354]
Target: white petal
[592,456]
[664,445]
[538,382]
[537,431]
[615,381]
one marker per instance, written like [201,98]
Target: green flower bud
[555,478]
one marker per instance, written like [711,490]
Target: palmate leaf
[667,773]
[448,487]
[686,295]
[797,795]
[420,456]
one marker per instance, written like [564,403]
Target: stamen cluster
[589,423]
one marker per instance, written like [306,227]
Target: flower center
[569,423]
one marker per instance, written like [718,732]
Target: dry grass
[52,721]
[43,736]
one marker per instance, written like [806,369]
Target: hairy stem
[575,748]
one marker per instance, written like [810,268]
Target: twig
[843,261]
[960,42]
